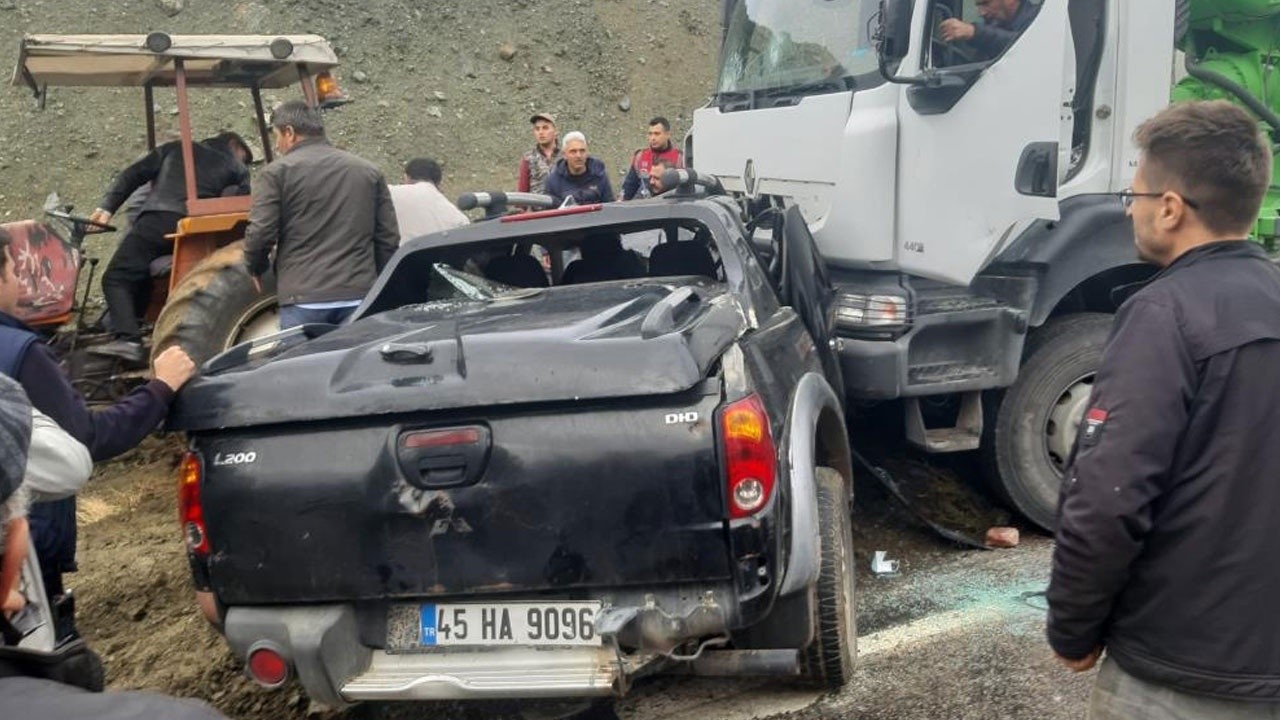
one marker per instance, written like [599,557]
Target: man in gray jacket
[327,214]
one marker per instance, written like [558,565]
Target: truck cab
[964,200]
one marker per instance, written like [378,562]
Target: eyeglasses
[1128,196]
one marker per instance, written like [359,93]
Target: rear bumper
[323,644]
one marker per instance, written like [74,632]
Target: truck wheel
[1026,450]
[216,306]
[828,662]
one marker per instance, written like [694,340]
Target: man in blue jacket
[107,433]
[578,175]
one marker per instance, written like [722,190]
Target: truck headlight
[856,311]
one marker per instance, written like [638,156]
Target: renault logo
[749,178]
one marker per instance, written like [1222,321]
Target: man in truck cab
[1002,22]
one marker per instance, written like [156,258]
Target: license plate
[571,623]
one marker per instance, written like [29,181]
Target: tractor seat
[162,266]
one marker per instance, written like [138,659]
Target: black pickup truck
[507,478]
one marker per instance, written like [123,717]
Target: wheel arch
[1079,259]
[815,436]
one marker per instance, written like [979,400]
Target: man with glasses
[1167,544]
[1002,22]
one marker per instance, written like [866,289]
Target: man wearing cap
[538,163]
[126,284]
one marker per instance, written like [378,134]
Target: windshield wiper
[817,87]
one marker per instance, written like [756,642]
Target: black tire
[830,659]
[209,310]
[1061,355]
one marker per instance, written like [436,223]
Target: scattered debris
[507,51]
[435,111]
[882,565]
[1002,537]
[360,76]
[439,96]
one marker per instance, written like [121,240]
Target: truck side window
[976,31]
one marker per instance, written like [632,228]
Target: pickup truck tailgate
[572,496]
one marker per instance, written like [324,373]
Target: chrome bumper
[515,672]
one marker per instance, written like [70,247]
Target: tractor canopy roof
[227,61]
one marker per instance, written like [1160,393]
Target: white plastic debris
[882,565]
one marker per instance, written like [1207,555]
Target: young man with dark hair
[107,432]
[1167,544]
[421,208]
[536,164]
[126,284]
[636,183]
[327,214]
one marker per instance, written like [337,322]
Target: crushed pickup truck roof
[210,60]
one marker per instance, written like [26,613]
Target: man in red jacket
[636,184]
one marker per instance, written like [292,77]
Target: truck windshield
[796,47]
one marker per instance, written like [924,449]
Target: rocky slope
[450,79]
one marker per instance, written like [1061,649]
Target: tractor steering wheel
[80,223]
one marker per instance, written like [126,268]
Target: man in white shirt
[420,206]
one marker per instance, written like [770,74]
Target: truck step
[965,435]
[492,673]
[930,304]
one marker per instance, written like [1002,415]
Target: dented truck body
[476,490]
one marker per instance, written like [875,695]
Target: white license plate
[550,623]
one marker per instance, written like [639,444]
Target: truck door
[807,288]
[979,140]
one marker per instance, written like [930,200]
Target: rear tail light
[267,666]
[750,456]
[190,509]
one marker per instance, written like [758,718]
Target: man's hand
[100,216]
[174,367]
[1085,663]
[953,30]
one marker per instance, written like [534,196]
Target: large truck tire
[829,660]
[216,306]
[1026,448]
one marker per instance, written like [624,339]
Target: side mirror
[894,32]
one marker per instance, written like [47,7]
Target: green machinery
[1233,52]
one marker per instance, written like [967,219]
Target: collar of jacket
[308,142]
[1209,251]
[13,322]
[537,149]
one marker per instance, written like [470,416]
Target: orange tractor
[204,300]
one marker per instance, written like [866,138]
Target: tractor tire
[829,661]
[216,307]
[1026,448]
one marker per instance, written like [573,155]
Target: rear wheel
[829,660]
[216,306]
[1036,418]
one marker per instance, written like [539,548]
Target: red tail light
[750,456]
[267,666]
[190,509]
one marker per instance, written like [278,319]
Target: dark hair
[304,119]
[665,123]
[1213,152]
[424,169]
[5,240]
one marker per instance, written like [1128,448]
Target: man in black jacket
[326,213]
[1167,544]
[126,283]
[1002,22]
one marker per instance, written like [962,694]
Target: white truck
[966,207]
